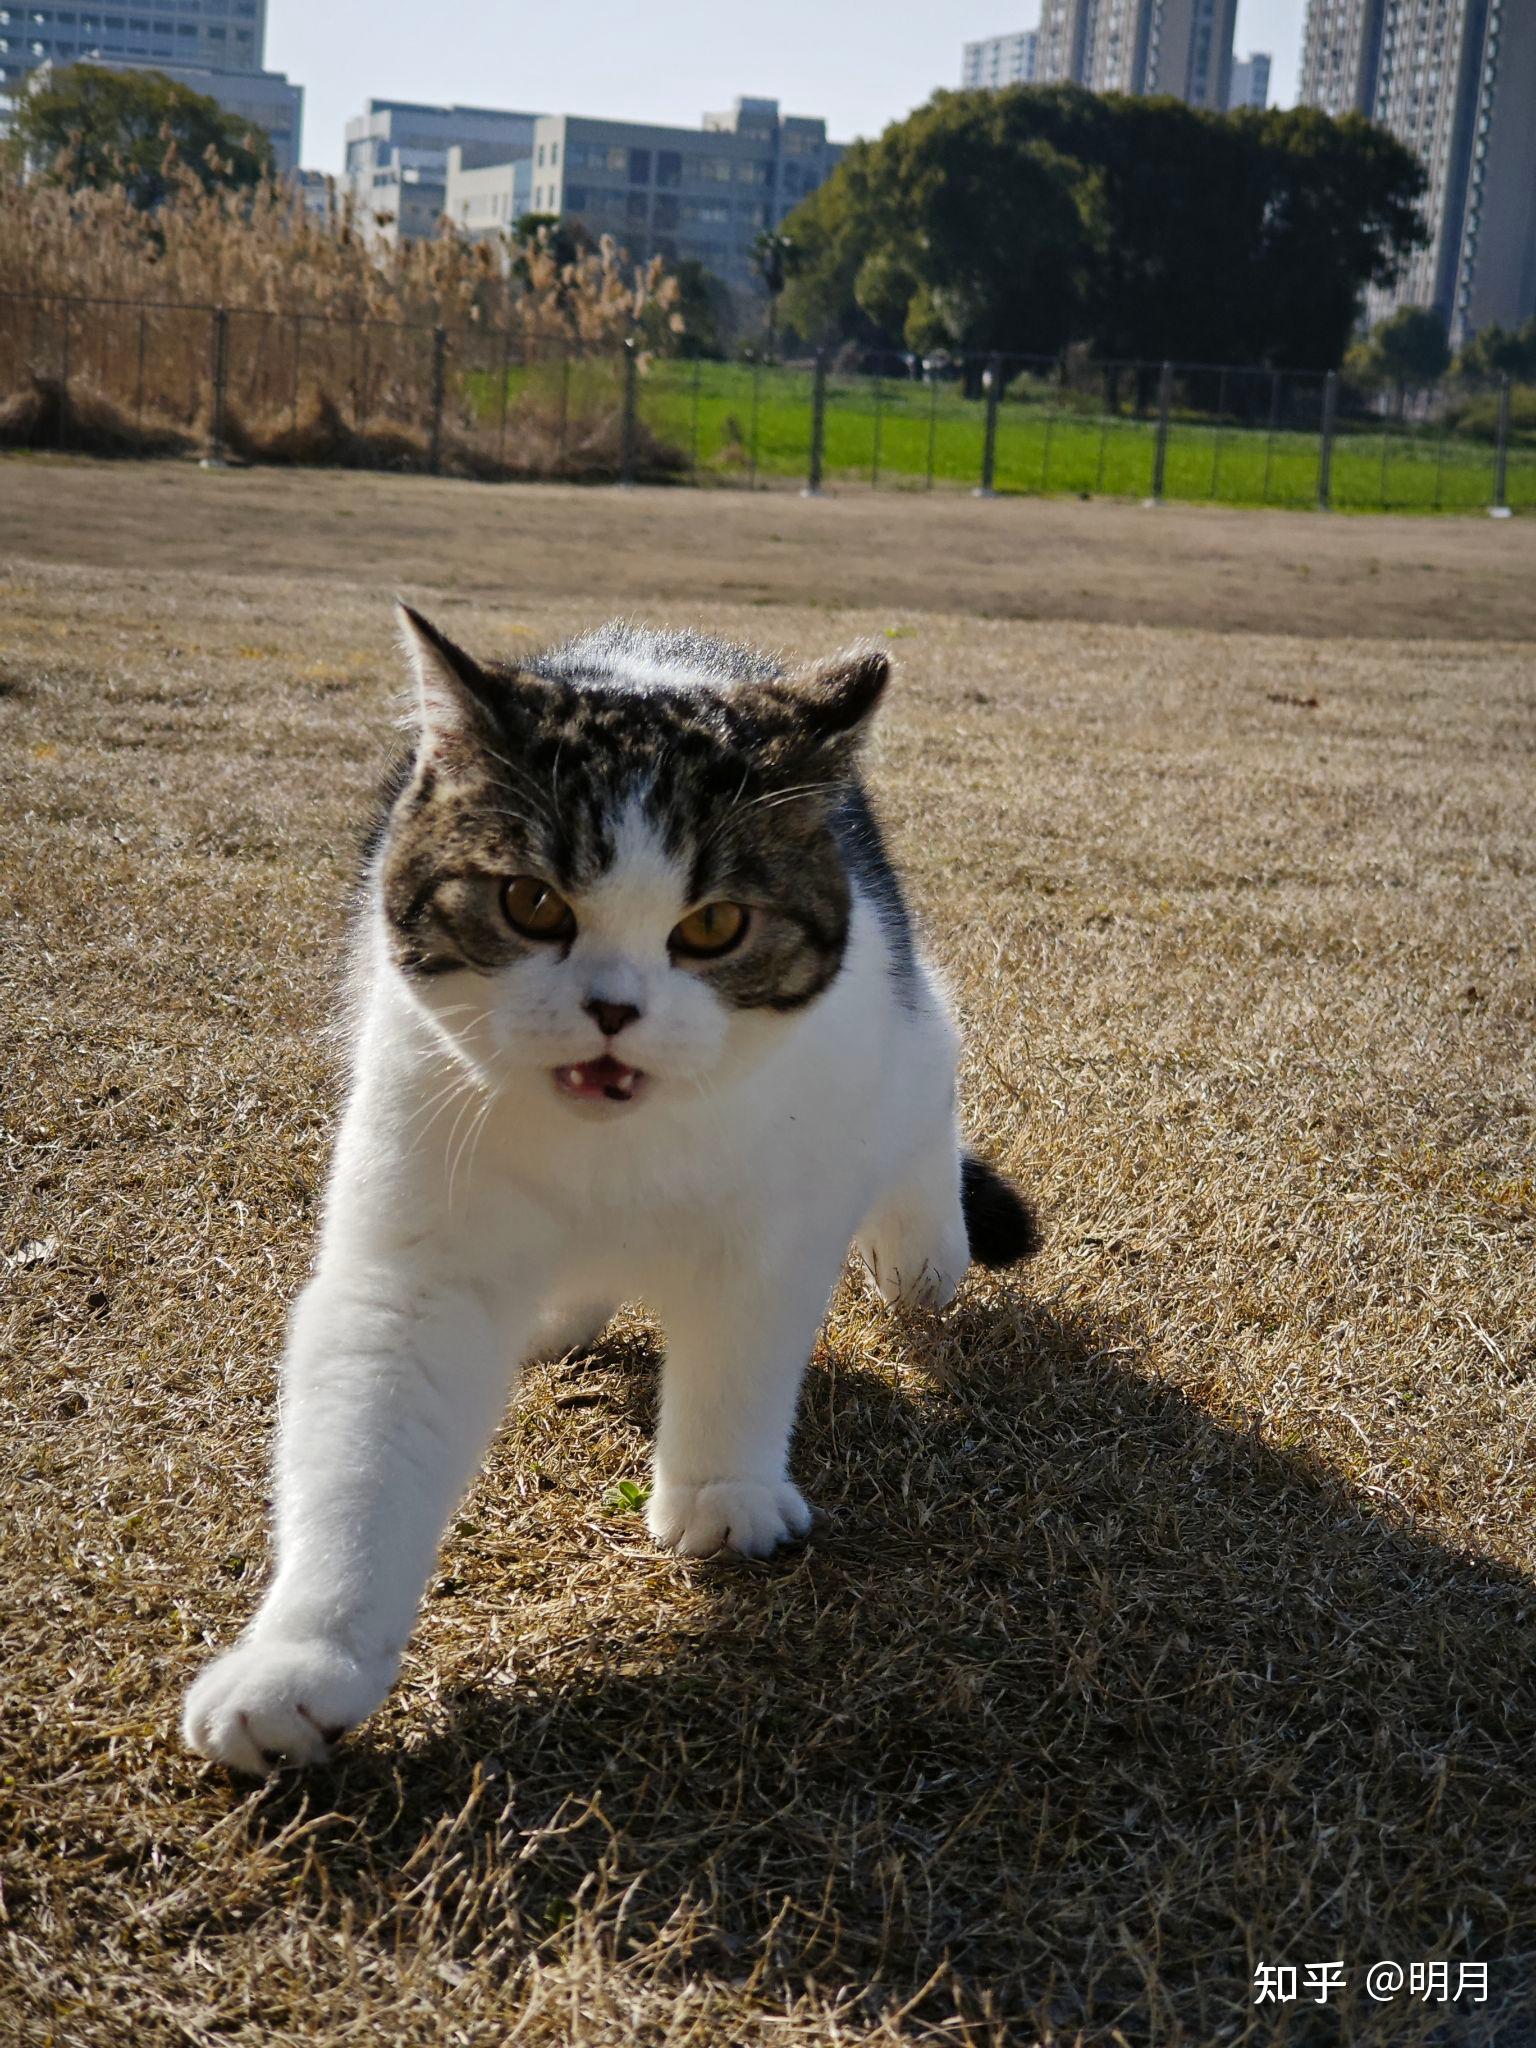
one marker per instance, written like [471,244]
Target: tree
[1022,219]
[697,320]
[773,257]
[86,126]
[1338,210]
[951,229]
[567,240]
[1500,352]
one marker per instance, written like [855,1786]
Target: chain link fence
[120,377]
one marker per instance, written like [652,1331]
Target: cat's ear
[834,699]
[454,697]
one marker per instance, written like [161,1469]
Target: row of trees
[1038,216]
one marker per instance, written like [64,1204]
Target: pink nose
[611,1017]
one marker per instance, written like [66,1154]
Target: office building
[1456,81]
[216,47]
[1177,47]
[484,201]
[1001,60]
[1250,82]
[685,194]
[397,159]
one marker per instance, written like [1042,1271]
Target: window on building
[669,167]
[664,211]
[636,207]
[639,167]
[541,156]
[575,198]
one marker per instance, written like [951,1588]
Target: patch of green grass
[737,423]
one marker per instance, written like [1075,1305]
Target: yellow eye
[714,928]
[536,910]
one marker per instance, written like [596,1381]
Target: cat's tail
[1000,1226]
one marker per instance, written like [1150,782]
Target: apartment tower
[1456,81]
[1177,47]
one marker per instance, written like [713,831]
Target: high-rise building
[217,47]
[1339,47]
[1001,60]
[1179,47]
[1456,81]
[701,194]
[1250,81]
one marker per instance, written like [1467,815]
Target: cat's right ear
[454,697]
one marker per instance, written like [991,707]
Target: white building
[1001,60]
[397,159]
[486,201]
[1250,82]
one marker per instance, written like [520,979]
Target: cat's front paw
[751,1516]
[267,1703]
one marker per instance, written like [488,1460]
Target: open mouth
[604,1080]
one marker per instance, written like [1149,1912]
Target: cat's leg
[914,1240]
[736,1354]
[568,1326]
[390,1392]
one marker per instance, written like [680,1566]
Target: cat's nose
[611,1017]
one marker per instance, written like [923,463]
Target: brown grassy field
[1175,1610]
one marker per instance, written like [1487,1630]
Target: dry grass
[107,342]
[1175,1610]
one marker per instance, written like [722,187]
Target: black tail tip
[1000,1226]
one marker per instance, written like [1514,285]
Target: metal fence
[232,383]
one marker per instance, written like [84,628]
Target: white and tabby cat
[640,1017]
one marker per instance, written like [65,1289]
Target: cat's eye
[536,910]
[713,928]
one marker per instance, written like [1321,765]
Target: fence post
[1160,445]
[220,338]
[818,425]
[439,380]
[630,413]
[1499,509]
[138,405]
[506,377]
[992,384]
[1325,446]
[64,381]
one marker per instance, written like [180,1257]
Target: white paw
[265,1703]
[752,1516]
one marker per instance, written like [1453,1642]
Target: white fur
[476,1217]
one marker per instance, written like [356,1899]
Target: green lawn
[737,423]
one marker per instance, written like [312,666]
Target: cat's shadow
[1074,1676]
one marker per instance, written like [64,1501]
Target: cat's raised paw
[750,1516]
[268,1703]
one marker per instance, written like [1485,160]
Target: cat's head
[614,870]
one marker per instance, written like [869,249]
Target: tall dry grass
[107,339]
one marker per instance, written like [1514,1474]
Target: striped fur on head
[743,772]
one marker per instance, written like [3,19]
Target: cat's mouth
[604,1080]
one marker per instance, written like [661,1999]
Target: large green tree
[1020,219]
[953,229]
[87,126]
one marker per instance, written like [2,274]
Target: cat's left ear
[834,700]
[454,696]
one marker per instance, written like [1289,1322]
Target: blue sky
[660,60]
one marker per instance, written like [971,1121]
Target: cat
[639,1015]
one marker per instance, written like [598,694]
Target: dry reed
[108,341]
